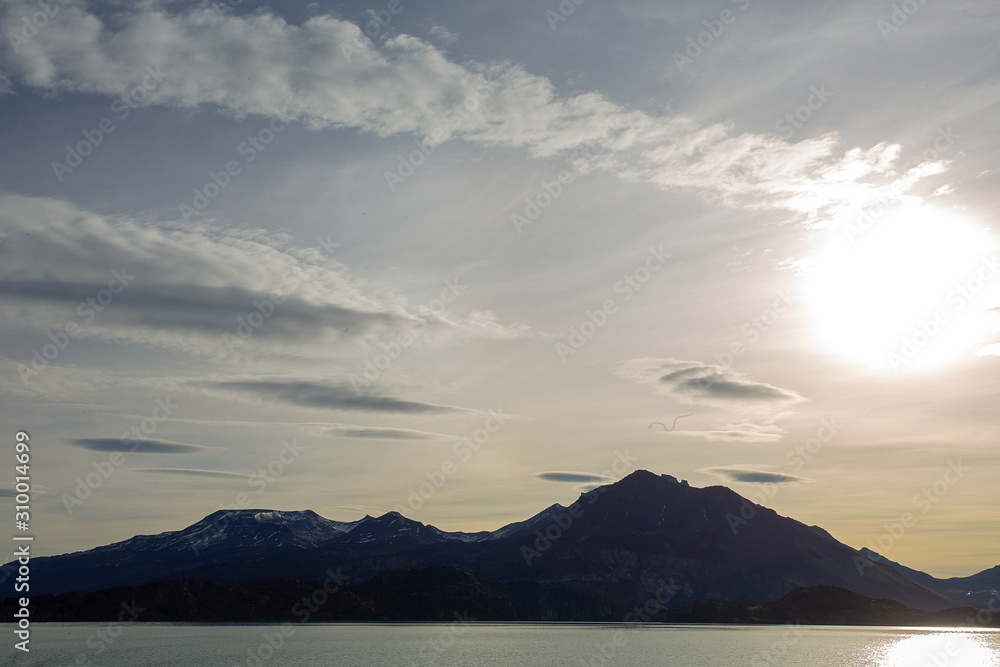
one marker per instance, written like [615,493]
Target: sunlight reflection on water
[945,649]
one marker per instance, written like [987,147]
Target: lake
[486,645]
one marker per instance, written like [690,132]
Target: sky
[466,260]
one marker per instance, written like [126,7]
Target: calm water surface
[482,645]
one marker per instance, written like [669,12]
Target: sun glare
[906,291]
[946,648]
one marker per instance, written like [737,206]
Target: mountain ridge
[981,589]
[614,542]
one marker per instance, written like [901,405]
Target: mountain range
[602,555]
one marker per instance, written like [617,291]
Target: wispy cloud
[311,394]
[177,286]
[755,474]
[199,308]
[382,433]
[697,382]
[187,286]
[140,446]
[745,433]
[443,34]
[406,85]
[574,477]
[192,472]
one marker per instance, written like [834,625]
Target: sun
[909,290]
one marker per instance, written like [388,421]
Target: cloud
[442,34]
[139,446]
[192,472]
[201,309]
[352,508]
[55,382]
[696,382]
[176,285]
[575,477]
[182,286]
[327,73]
[381,433]
[308,394]
[755,474]
[8,490]
[746,433]
[482,324]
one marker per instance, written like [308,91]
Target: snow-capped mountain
[613,543]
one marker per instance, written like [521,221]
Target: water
[487,645]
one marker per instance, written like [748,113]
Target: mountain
[982,589]
[915,575]
[616,543]
[444,594]
[712,541]
[232,541]
[429,594]
[222,537]
[828,605]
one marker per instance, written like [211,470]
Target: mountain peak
[611,542]
[649,480]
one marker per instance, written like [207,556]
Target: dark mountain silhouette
[431,594]
[615,544]
[981,590]
[829,605]
[444,594]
